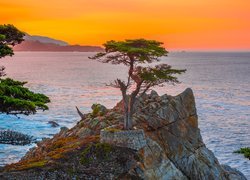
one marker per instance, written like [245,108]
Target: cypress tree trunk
[126,111]
[126,115]
[130,112]
[129,121]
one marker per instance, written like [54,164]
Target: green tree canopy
[9,36]
[140,78]
[14,97]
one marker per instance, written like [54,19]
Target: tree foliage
[9,36]
[14,97]
[140,79]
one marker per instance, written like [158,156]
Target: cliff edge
[164,144]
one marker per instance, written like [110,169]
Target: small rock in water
[53,124]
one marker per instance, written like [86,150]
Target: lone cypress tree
[140,79]
[14,97]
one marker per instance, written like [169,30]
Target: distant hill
[44,39]
[41,43]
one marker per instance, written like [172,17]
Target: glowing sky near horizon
[180,24]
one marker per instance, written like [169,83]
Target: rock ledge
[133,139]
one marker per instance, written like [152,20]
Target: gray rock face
[233,174]
[83,132]
[162,167]
[166,145]
[172,123]
[133,139]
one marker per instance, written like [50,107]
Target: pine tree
[14,97]
[140,79]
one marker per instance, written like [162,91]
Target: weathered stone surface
[133,139]
[233,174]
[154,93]
[174,126]
[63,131]
[157,165]
[84,132]
[166,145]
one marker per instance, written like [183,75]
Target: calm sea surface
[220,81]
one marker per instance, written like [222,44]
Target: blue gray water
[220,81]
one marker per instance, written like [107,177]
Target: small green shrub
[95,111]
[98,110]
[245,151]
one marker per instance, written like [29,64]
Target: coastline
[219,102]
[176,122]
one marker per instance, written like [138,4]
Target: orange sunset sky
[180,24]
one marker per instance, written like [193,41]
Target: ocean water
[220,81]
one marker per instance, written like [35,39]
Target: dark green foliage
[9,36]
[16,99]
[140,79]
[140,49]
[12,35]
[2,73]
[5,50]
[97,110]
[159,74]
[245,151]
[134,52]
[95,151]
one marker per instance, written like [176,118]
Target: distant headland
[42,43]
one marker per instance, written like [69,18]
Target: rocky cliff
[165,144]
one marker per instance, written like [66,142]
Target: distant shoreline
[39,46]
[56,51]
[17,51]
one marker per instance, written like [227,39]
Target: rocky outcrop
[233,173]
[134,139]
[174,125]
[53,124]
[165,144]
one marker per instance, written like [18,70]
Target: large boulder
[172,123]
